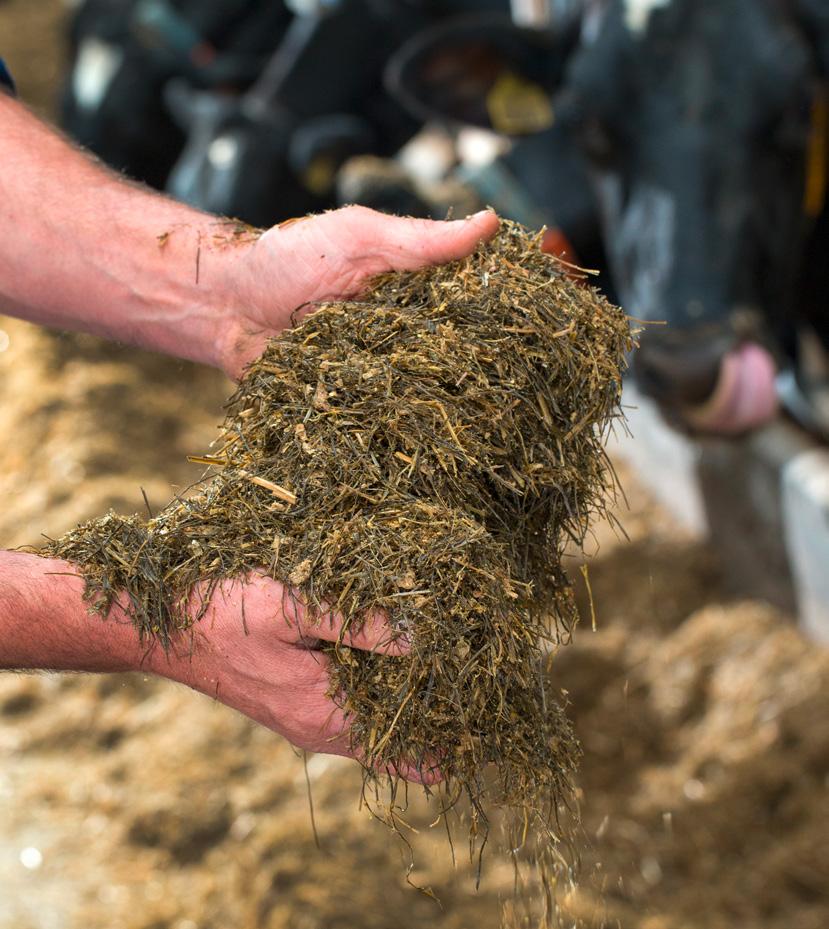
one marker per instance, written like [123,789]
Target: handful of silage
[427,450]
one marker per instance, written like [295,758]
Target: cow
[685,150]
[705,131]
[123,54]
[705,127]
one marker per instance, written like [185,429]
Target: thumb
[407,244]
[371,632]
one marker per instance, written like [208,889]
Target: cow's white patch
[641,230]
[593,15]
[95,69]
[638,13]
[532,14]
[311,7]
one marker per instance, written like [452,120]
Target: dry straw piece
[428,450]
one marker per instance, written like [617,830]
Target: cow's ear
[482,70]
[814,17]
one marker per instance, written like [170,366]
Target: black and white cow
[704,124]
[706,128]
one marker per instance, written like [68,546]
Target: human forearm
[45,624]
[82,249]
[248,651]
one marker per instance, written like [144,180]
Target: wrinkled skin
[330,256]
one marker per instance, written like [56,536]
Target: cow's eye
[598,142]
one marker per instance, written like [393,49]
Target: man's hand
[257,649]
[327,257]
[120,261]
[90,252]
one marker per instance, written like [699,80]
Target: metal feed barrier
[762,502]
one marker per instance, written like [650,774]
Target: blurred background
[679,148]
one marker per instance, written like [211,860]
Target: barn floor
[705,721]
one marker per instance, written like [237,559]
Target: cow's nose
[714,384]
[680,369]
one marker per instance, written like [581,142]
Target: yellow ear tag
[518,107]
[319,176]
[817,154]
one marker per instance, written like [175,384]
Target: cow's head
[696,115]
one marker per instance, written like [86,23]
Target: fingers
[324,727]
[426,774]
[331,257]
[318,724]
